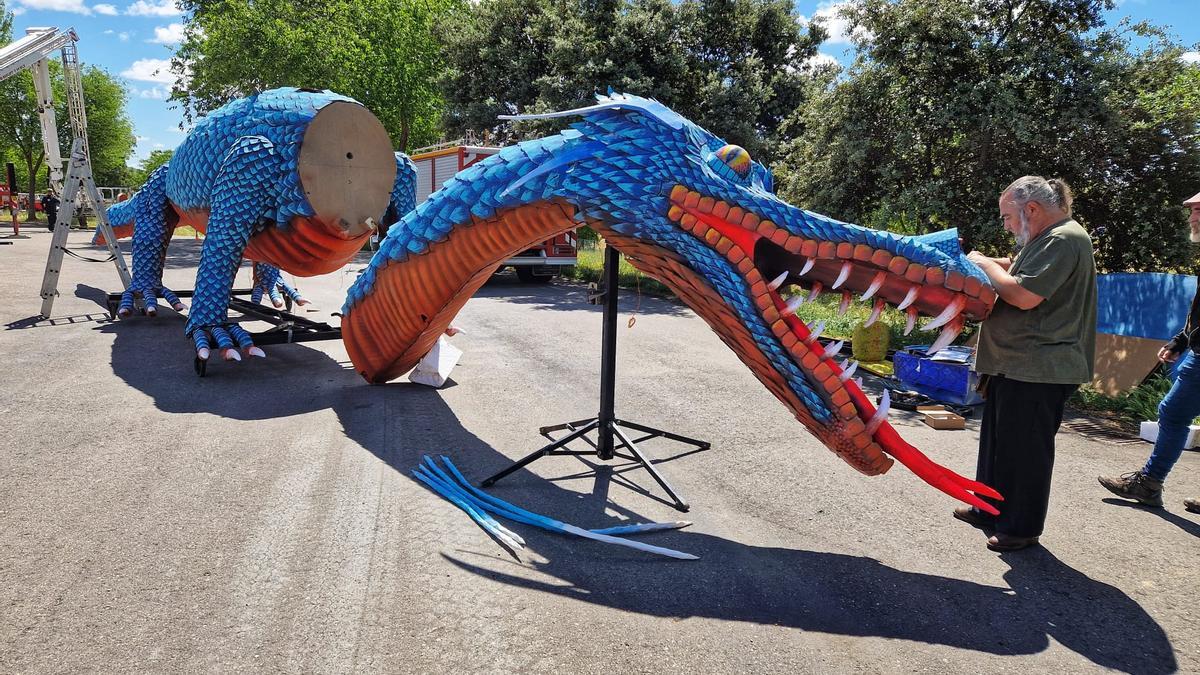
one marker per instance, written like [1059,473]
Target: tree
[156,159]
[736,67]
[110,133]
[949,100]
[379,52]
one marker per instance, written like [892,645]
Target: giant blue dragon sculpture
[682,205]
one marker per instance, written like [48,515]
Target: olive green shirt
[1055,342]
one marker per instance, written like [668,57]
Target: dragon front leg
[149,213]
[268,279]
[238,201]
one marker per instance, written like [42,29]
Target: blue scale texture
[617,163]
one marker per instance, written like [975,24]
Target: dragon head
[702,216]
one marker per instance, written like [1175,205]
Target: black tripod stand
[606,424]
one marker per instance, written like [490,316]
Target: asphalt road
[264,517]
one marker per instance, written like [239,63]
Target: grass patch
[589,266]
[1128,409]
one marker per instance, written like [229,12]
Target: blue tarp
[1145,304]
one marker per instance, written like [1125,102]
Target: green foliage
[110,131]
[156,159]
[950,100]
[381,52]
[1137,405]
[736,67]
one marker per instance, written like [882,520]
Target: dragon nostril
[736,158]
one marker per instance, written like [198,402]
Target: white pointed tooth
[816,291]
[875,312]
[910,320]
[778,281]
[880,414]
[848,371]
[232,355]
[858,381]
[843,274]
[202,353]
[847,298]
[793,304]
[949,333]
[808,265]
[834,348]
[908,299]
[952,310]
[814,332]
[875,284]
[257,351]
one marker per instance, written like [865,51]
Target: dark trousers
[1016,449]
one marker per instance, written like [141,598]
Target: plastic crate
[939,380]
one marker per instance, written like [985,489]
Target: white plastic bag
[434,369]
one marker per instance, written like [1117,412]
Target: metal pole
[608,353]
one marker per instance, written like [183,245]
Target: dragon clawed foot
[149,295]
[228,338]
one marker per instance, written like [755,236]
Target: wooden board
[1123,362]
[347,167]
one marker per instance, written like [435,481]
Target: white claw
[880,414]
[232,355]
[952,310]
[808,265]
[793,304]
[949,333]
[778,281]
[843,274]
[202,353]
[847,298]
[875,312]
[834,348]
[814,332]
[858,381]
[816,291]
[256,351]
[876,283]
[178,307]
[910,320]
[908,299]
[848,370]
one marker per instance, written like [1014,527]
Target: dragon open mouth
[771,260]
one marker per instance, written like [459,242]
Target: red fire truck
[437,164]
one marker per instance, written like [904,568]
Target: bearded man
[1035,349]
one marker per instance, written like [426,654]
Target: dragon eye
[736,158]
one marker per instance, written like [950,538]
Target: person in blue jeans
[1177,410]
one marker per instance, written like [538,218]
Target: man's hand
[1166,355]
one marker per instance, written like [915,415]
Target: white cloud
[159,146]
[151,8]
[150,70]
[837,27]
[168,35]
[123,36]
[156,93]
[106,10]
[819,60]
[18,11]
[1191,57]
[72,6]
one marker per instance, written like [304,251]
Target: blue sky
[135,41]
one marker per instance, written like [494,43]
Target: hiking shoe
[974,517]
[1137,486]
[1192,504]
